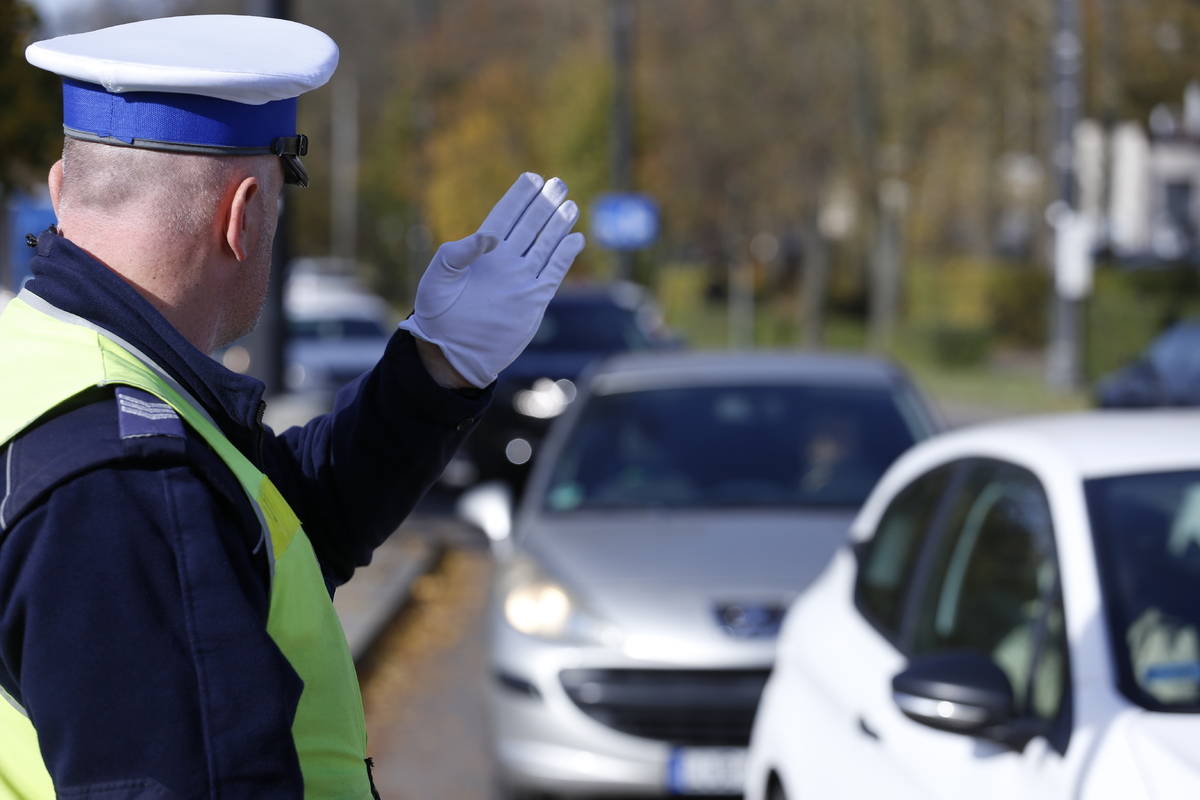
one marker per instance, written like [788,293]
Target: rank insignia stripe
[142,414]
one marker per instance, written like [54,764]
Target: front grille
[685,707]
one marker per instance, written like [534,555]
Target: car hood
[1167,750]
[664,577]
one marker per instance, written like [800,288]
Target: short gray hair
[178,192]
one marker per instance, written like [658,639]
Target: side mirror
[962,693]
[489,507]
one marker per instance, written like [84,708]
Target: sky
[56,15]
[51,12]
[54,8]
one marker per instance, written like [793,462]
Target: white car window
[887,566]
[1147,532]
[993,587]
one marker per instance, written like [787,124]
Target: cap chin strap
[288,148]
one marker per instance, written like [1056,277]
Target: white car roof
[1063,449]
[1094,444]
[307,300]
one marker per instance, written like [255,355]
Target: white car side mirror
[963,692]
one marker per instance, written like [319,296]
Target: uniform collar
[68,277]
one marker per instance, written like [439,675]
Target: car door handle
[866,729]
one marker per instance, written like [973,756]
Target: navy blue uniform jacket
[133,598]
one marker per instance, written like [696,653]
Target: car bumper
[543,745]
[544,742]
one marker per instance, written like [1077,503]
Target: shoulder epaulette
[88,432]
[140,413]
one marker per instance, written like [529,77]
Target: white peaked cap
[243,59]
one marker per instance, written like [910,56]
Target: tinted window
[1147,533]
[887,567]
[994,586]
[336,328]
[728,446]
[588,328]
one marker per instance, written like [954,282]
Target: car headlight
[537,605]
[546,399]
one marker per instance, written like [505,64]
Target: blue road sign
[624,221]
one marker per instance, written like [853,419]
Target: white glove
[482,297]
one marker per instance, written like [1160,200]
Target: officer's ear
[54,180]
[245,217]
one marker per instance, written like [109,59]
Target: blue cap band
[171,118]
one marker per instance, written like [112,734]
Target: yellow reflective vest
[48,356]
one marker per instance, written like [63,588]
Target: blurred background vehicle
[680,504]
[1018,616]
[582,324]
[336,330]
[1167,373]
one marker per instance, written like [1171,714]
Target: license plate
[706,770]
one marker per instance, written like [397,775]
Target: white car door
[988,582]
[834,672]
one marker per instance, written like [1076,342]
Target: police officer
[166,562]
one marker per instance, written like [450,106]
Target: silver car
[681,503]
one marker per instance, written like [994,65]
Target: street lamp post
[266,342]
[622,15]
[1063,362]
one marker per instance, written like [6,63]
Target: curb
[368,602]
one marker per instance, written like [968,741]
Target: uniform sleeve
[134,626]
[354,474]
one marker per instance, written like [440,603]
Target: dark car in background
[583,323]
[1167,373]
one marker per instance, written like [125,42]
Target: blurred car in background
[582,324]
[1018,615]
[679,506]
[1166,374]
[336,331]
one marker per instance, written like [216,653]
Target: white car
[337,330]
[1017,616]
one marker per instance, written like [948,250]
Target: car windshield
[571,327]
[1147,532]
[722,446]
[336,328]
